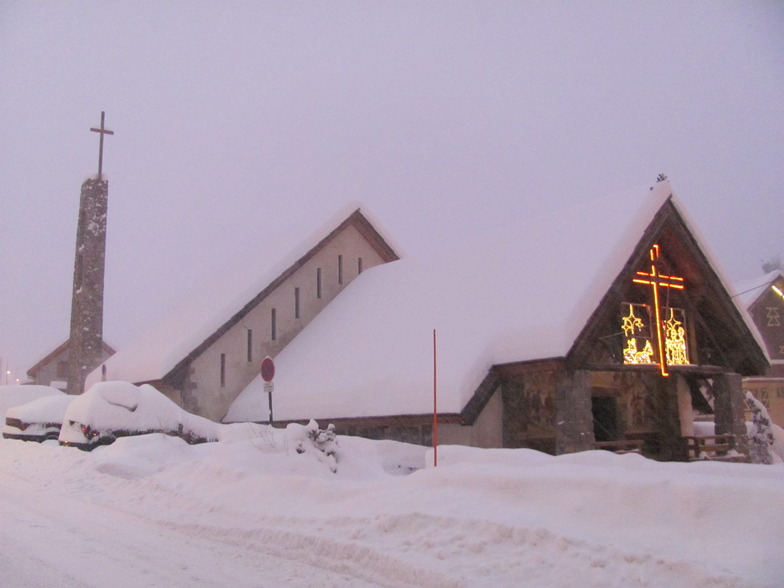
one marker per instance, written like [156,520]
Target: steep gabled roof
[760,297]
[749,291]
[526,292]
[226,299]
[730,335]
[33,371]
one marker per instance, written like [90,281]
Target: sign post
[435,404]
[267,373]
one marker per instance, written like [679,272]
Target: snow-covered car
[37,420]
[109,410]
[19,394]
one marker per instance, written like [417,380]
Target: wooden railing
[621,445]
[712,447]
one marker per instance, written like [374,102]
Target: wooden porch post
[730,410]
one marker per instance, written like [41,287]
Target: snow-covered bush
[761,438]
[309,439]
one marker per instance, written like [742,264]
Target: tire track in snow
[58,538]
[351,558]
[506,555]
[167,533]
[415,549]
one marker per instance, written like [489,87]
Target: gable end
[719,334]
[357,220]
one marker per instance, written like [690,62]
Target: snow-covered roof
[749,290]
[157,351]
[33,371]
[746,293]
[522,293]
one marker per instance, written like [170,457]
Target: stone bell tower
[86,340]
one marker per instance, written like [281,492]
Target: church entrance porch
[558,411]
[606,425]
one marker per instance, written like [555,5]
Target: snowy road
[156,512]
[53,540]
[60,529]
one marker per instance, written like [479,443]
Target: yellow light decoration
[675,341]
[632,356]
[634,328]
[631,323]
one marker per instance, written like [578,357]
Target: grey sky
[444,118]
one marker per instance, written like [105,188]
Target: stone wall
[86,338]
[574,417]
[529,410]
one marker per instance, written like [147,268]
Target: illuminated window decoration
[637,333]
[633,356]
[677,352]
[632,324]
[669,339]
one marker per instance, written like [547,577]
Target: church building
[204,354]
[53,371]
[605,323]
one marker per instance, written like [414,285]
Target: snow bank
[254,510]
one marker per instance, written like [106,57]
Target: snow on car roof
[16,395]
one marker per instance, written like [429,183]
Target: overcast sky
[234,119]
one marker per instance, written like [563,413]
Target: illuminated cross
[103,132]
[656,280]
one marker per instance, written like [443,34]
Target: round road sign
[267,369]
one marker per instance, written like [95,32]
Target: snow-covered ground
[154,511]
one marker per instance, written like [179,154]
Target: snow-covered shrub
[761,439]
[309,439]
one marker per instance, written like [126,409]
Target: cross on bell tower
[103,131]
[86,340]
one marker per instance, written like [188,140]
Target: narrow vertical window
[273,325]
[250,345]
[296,302]
[222,370]
[318,282]
[359,265]
[340,269]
